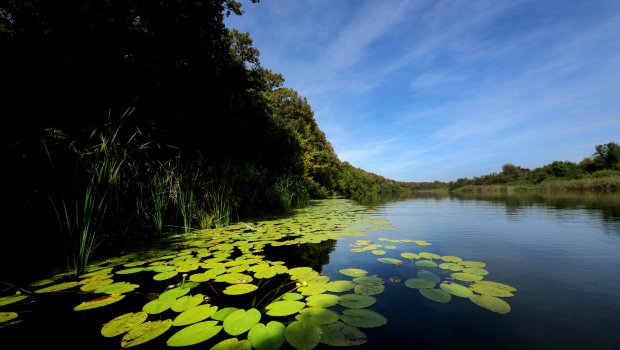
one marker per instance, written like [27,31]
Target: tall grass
[160,189]
[287,192]
[219,201]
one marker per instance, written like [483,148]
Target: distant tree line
[605,161]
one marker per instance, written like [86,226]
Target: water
[561,253]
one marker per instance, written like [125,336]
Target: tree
[607,156]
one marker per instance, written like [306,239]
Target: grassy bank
[604,184]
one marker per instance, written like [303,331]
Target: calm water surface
[561,253]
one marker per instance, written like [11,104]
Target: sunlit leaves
[194,334]
[437,295]
[267,337]
[123,323]
[237,289]
[284,307]
[342,334]
[241,321]
[144,332]
[363,318]
[356,301]
[194,314]
[303,334]
[491,303]
[99,302]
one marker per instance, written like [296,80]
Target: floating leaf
[241,321]
[340,286]
[456,289]
[57,287]
[437,295]
[267,337]
[363,318]
[221,315]
[318,315]
[390,261]
[369,290]
[157,306]
[369,280]
[237,289]
[174,293]
[144,332]
[491,303]
[234,278]
[233,344]
[194,314]
[426,263]
[322,300]
[7,316]
[99,302]
[284,307]
[194,334]
[378,252]
[419,283]
[356,301]
[494,289]
[451,258]
[410,256]
[123,324]
[162,268]
[95,284]
[292,296]
[300,271]
[427,275]
[117,288]
[342,334]
[186,302]
[451,266]
[476,271]
[427,255]
[473,264]
[265,274]
[11,299]
[466,277]
[162,276]
[131,270]
[390,247]
[303,334]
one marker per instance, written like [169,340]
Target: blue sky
[439,90]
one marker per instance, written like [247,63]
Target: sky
[426,90]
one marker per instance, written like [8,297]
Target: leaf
[465,277]
[241,321]
[437,295]
[194,334]
[356,301]
[186,302]
[419,283]
[426,263]
[174,293]
[234,278]
[123,324]
[7,316]
[117,288]
[284,307]
[369,290]
[427,275]
[411,256]
[451,258]
[378,252]
[131,270]
[369,280]
[339,286]
[238,289]
[233,344]
[194,314]
[221,315]
[57,287]
[144,332]
[267,337]
[476,271]
[342,334]
[491,303]
[427,255]
[456,289]
[390,261]
[318,315]
[351,272]
[303,334]
[11,299]
[363,318]
[157,306]
[322,300]
[473,264]
[99,302]
[162,276]
[292,296]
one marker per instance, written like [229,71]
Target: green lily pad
[234,278]
[427,255]
[194,314]
[99,302]
[267,337]
[427,275]
[390,261]
[313,289]
[437,295]
[117,288]
[378,252]
[123,324]
[303,334]
[363,318]
[451,266]
[241,321]
[11,299]
[426,263]
[57,287]
[456,289]
[174,293]
[476,271]
[95,284]
[292,296]
[340,286]
[265,274]
[411,256]
[494,289]
[451,258]
[342,334]
[369,290]
[284,307]
[300,271]
[419,283]
[351,272]
[186,302]
[356,301]
[194,334]
[473,264]
[237,289]
[491,303]
[466,277]
[233,344]
[221,315]
[162,268]
[369,280]
[162,276]
[131,270]
[157,306]
[322,300]
[7,316]
[144,332]
[318,315]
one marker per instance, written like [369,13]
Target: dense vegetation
[134,118]
[599,173]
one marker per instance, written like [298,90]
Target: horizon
[436,91]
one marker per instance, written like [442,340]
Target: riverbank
[604,184]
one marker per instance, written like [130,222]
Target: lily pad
[494,289]
[476,271]
[292,296]
[162,276]
[369,290]
[194,334]
[340,286]
[12,299]
[144,332]
[426,263]
[427,275]
[267,337]
[237,289]
[363,318]
[419,283]
[437,295]
[265,274]
[284,307]
[99,302]
[303,334]
[174,293]
[57,287]
[491,303]
[451,258]
[221,315]
[117,288]
[356,301]
[322,300]
[233,344]
[318,315]
[466,277]
[378,252]
[123,324]
[131,270]
[473,264]
[194,314]
[342,334]
[241,321]
[234,278]
[351,272]
[411,256]
[186,302]
[95,284]
[390,261]
[7,316]
[456,289]
[158,306]
[427,255]
[369,280]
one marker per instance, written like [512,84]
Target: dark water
[562,253]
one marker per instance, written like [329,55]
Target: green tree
[608,155]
